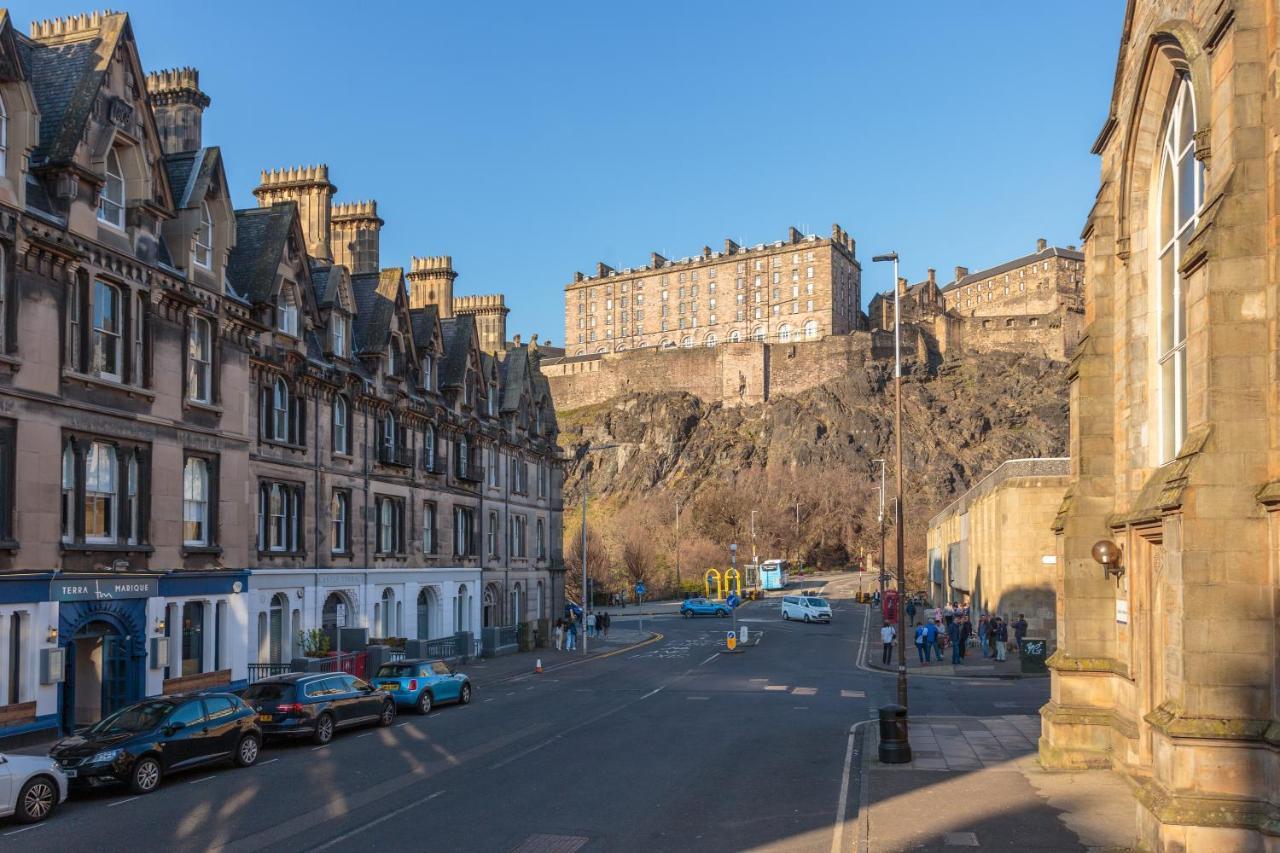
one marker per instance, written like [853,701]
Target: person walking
[559,634]
[1002,639]
[984,626]
[1020,631]
[922,636]
[887,635]
[911,611]
[571,634]
[591,624]
[602,624]
[966,631]
[953,639]
[931,642]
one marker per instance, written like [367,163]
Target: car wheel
[424,702]
[686,613]
[324,730]
[37,800]
[806,618]
[464,698]
[388,715]
[146,775]
[247,751]
[722,613]
[786,617]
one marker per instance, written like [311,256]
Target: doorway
[98,674]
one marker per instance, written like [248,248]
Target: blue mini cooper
[422,683]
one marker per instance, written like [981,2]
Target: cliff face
[816,449]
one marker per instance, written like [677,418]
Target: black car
[316,704]
[140,744]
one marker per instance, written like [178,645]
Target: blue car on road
[703,607]
[420,684]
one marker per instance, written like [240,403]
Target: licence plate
[390,688]
[71,774]
[265,718]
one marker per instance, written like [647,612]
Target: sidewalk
[974,666]
[486,671]
[975,782]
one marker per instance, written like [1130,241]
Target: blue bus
[773,574]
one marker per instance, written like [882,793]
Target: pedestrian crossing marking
[781,687]
[853,694]
[804,691]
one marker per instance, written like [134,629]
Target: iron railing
[398,455]
[265,670]
[433,463]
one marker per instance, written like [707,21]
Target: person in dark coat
[966,631]
[953,637]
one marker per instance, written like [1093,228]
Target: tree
[598,560]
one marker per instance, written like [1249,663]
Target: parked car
[141,744]
[316,704]
[703,607]
[31,787]
[809,608]
[422,683]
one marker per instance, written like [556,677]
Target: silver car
[31,787]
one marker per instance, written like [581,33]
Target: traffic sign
[640,589]
[340,616]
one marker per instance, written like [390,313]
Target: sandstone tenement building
[220,428]
[431,283]
[801,288]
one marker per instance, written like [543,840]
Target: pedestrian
[591,624]
[966,631]
[602,624]
[953,639]
[922,636]
[911,611]
[887,636]
[1020,630]
[571,634]
[984,625]
[559,634]
[1002,638]
[931,641]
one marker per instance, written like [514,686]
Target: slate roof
[375,295]
[423,321]
[515,369]
[1050,252]
[261,233]
[320,284]
[190,173]
[179,168]
[459,336]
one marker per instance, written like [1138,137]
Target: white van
[807,608]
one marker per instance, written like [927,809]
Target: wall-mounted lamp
[53,634]
[1107,554]
[159,624]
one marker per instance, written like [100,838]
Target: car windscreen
[267,692]
[817,602]
[397,670]
[141,717]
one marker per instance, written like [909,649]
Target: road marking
[804,691]
[776,687]
[366,734]
[25,829]
[437,713]
[853,694]
[131,799]
[344,836]
[837,838]
[321,746]
[490,699]
[260,764]
[710,659]
[522,753]
[697,698]
[758,680]
[198,781]
[799,707]
[650,693]
[400,725]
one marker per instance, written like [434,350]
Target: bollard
[894,745]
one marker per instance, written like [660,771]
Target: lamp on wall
[53,634]
[1107,554]
[159,624]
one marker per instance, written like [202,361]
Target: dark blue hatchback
[316,704]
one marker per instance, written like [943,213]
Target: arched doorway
[489,607]
[388,627]
[335,603]
[516,604]
[275,628]
[539,601]
[430,618]
[462,610]
[105,658]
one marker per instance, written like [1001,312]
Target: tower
[309,187]
[179,107]
[356,229]
[431,283]
[490,312]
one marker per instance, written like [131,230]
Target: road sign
[340,616]
[639,589]
[731,641]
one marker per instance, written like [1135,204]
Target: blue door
[115,674]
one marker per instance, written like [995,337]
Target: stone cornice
[1163,492]
[1170,719]
[1060,661]
[1081,715]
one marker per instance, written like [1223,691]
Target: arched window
[111,199]
[811,329]
[275,628]
[280,403]
[388,626]
[200,360]
[757,334]
[195,502]
[711,340]
[734,337]
[488,607]
[784,333]
[341,433]
[666,344]
[204,238]
[686,341]
[1181,197]
[462,609]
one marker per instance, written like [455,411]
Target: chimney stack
[1041,244]
[933,276]
[178,105]
[902,286]
[793,236]
[309,188]
[961,272]
[356,235]
[706,252]
[730,247]
[602,269]
[657,261]
[431,283]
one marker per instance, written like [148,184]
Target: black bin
[894,746]
[1032,655]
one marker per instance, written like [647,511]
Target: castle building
[1166,669]
[801,288]
[229,426]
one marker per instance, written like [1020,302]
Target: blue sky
[530,140]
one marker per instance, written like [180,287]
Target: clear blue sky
[530,140]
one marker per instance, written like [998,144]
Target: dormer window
[111,199]
[492,403]
[204,238]
[428,372]
[287,312]
[393,357]
[338,334]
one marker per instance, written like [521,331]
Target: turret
[356,235]
[309,187]
[179,107]
[431,283]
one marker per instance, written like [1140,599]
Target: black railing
[264,670]
[402,456]
[446,648]
[433,463]
[469,470]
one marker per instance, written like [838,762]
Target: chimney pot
[961,272]
[1041,244]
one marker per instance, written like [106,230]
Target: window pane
[1166,204]
[192,638]
[1186,188]
[1168,281]
[1186,118]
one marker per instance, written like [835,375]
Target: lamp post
[586,490]
[880,569]
[897,510]
[678,587]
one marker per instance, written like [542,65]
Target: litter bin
[1032,655]
[894,746]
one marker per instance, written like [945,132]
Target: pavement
[974,665]
[672,745]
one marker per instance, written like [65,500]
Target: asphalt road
[672,746]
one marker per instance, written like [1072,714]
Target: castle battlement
[354,210]
[480,303]
[431,264]
[70,24]
[839,238]
[169,83]
[293,176]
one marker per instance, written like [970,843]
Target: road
[672,746]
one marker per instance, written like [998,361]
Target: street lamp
[897,511]
[586,489]
[880,568]
[679,588]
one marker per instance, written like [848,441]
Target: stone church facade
[1167,664]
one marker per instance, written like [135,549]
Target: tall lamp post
[679,588]
[897,510]
[586,490]
[880,569]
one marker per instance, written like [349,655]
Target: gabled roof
[64,84]
[190,174]
[261,234]
[1050,252]
[376,295]
[459,336]
[515,373]
[425,321]
[13,54]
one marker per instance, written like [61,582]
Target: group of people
[566,630]
[951,627]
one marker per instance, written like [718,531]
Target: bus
[773,574]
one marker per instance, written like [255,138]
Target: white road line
[344,836]
[366,734]
[490,699]
[25,829]
[710,659]
[260,764]
[198,781]
[837,838]
[522,753]
[130,800]
[405,723]
[321,746]
[437,713]
[650,693]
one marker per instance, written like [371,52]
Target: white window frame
[287,312]
[195,500]
[281,402]
[111,200]
[200,360]
[203,250]
[102,482]
[339,510]
[105,293]
[341,425]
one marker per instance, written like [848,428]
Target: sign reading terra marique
[92,589]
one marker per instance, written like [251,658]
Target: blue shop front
[77,647]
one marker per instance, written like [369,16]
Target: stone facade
[218,428]
[993,547]
[1168,673]
[801,288]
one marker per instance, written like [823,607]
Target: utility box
[53,665]
[1032,655]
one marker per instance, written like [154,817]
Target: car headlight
[105,756]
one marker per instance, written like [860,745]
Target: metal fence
[264,670]
[395,654]
[352,663]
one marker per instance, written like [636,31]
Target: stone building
[801,288]
[993,547]
[220,430]
[1166,668]
[431,283]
